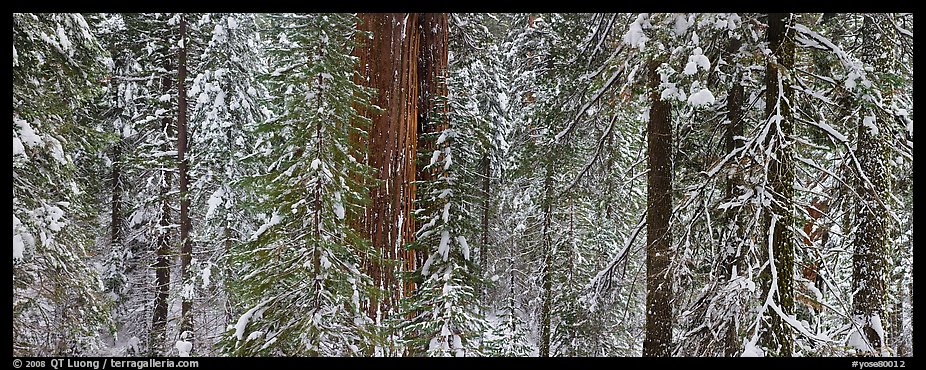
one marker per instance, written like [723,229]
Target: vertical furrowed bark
[777,336]
[658,327]
[388,63]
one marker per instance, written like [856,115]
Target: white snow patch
[274,219]
[168,153]
[434,157]
[26,133]
[635,36]
[681,25]
[701,98]
[243,320]
[338,206]
[338,210]
[444,247]
[427,265]
[464,246]
[856,339]
[214,201]
[57,152]
[850,80]
[183,348]
[53,215]
[18,246]
[64,41]
[831,131]
[752,350]
[18,146]
[869,123]
[875,321]
[206,275]
[695,61]
[187,292]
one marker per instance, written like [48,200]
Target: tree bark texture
[658,327]
[186,244]
[404,61]
[869,265]
[162,264]
[731,253]
[777,336]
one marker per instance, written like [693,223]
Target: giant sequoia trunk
[779,276]
[432,106]
[186,245]
[658,327]
[871,235]
[403,62]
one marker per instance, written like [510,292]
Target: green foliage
[306,256]
[57,303]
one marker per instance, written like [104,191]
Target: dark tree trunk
[869,264]
[162,266]
[116,242]
[548,262]
[777,336]
[658,326]
[486,196]
[186,246]
[731,253]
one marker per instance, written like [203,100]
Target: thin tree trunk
[548,263]
[658,326]
[186,246]
[162,266]
[116,242]
[731,255]
[777,336]
[317,224]
[484,249]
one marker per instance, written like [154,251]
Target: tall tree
[872,241]
[227,101]
[57,307]
[306,255]
[732,247]
[658,334]
[163,247]
[186,243]
[778,277]
[388,62]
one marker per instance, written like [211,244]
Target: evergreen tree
[57,303]
[305,256]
